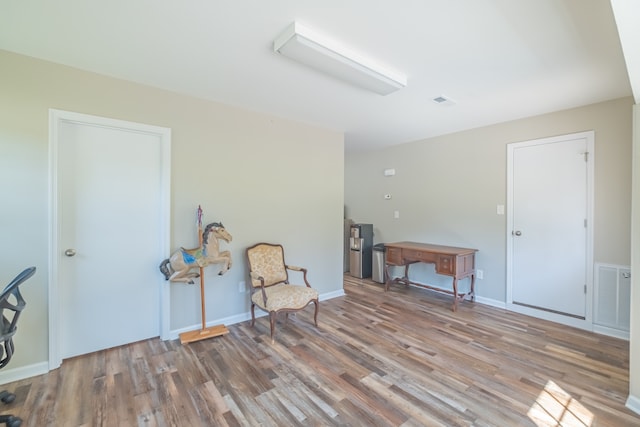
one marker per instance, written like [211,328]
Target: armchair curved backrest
[267,261]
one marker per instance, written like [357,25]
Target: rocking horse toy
[184,265]
[180,266]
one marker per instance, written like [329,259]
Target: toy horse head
[218,230]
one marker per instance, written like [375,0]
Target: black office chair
[10,312]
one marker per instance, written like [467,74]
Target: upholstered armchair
[271,290]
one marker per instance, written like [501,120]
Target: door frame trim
[56,117]
[587,323]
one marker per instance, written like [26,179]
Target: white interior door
[550,223]
[110,186]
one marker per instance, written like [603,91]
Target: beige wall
[447,188]
[266,178]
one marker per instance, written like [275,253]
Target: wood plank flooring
[397,358]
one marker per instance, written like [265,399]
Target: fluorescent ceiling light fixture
[304,45]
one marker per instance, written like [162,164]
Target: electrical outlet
[242,287]
[479,274]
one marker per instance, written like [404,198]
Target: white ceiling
[498,59]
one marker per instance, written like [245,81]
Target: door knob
[517,233]
[70,252]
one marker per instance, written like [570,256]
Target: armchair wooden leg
[253,314]
[315,314]
[272,320]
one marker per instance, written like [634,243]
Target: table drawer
[413,255]
[446,264]
[421,256]
[394,256]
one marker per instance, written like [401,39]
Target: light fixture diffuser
[304,45]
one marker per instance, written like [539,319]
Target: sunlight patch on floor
[556,407]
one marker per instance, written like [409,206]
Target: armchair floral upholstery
[271,290]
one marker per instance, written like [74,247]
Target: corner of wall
[633,403]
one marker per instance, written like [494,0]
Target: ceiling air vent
[443,100]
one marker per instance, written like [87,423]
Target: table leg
[455,294]
[473,292]
[387,282]
[404,279]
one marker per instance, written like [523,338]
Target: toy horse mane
[207,229]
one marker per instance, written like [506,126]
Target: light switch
[500,210]
[396,214]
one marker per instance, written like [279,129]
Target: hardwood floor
[399,358]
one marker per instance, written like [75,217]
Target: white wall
[265,178]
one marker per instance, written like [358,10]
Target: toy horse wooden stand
[184,264]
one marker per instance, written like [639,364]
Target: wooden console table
[458,263]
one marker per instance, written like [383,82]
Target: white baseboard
[491,302]
[17,374]
[230,320]
[633,403]
[334,294]
[612,332]
[243,317]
